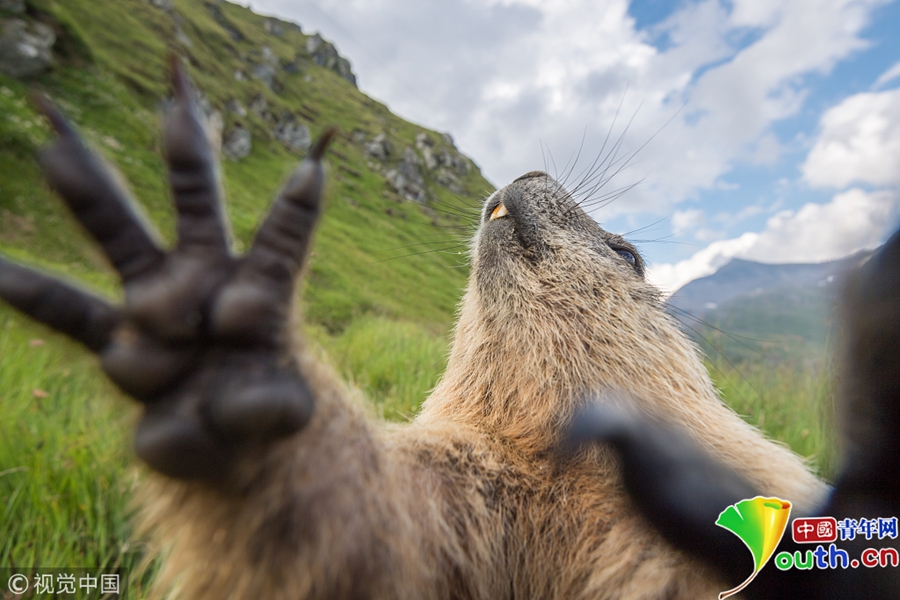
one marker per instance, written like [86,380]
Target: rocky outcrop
[435,158]
[259,106]
[13,6]
[406,179]
[266,69]
[326,55]
[273,27]
[237,143]
[235,106]
[293,134]
[379,148]
[25,47]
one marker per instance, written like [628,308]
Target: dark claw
[280,247]
[192,171]
[96,199]
[76,313]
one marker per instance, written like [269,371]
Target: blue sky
[760,129]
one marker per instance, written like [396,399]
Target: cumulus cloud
[678,106]
[888,76]
[853,220]
[512,79]
[859,142]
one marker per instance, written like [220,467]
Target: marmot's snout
[534,214]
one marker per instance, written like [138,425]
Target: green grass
[65,471]
[394,364]
[791,403]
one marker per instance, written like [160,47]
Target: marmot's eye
[627,255]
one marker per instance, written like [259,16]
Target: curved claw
[96,199]
[254,306]
[193,174]
[74,312]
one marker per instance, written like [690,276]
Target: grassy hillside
[112,82]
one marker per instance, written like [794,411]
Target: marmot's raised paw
[202,339]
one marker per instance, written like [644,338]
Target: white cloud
[508,75]
[512,79]
[683,220]
[888,76]
[853,220]
[859,142]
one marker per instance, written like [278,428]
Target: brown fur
[468,500]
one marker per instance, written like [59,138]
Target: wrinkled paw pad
[197,435]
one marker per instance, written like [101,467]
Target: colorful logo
[813,530]
[760,523]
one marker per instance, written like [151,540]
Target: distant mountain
[750,311]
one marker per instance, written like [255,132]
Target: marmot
[276,486]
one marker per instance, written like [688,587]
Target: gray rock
[326,55]
[358,136]
[379,148]
[237,143]
[182,37]
[267,68]
[406,179]
[457,162]
[448,139]
[25,47]
[423,140]
[265,73]
[409,166]
[260,106]
[273,27]
[294,135]
[240,75]
[234,106]
[449,180]
[13,6]
[426,146]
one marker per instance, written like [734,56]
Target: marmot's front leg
[202,339]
